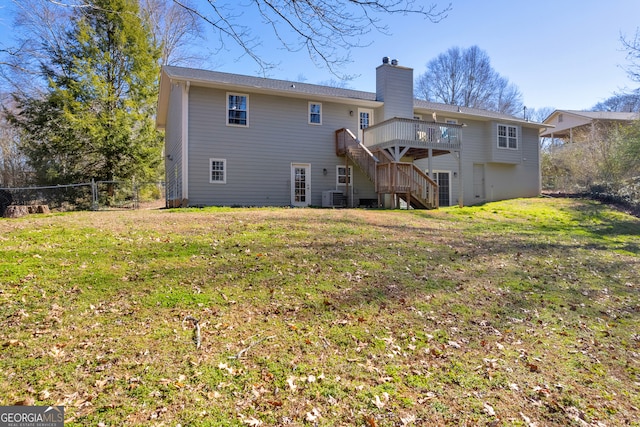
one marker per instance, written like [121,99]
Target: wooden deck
[401,180]
[415,138]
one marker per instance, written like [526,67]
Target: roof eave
[271,91]
[471,115]
[163,100]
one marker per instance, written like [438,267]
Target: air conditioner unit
[333,199]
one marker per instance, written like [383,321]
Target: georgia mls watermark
[31,416]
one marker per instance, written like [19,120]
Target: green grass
[508,313]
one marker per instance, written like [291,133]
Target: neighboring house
[582,126]
[235,140]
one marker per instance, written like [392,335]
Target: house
[235,140]
[580,126]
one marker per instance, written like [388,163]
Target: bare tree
[13,165]
[622,102]
[177,29]
[539,114]
[326,29]
[632,46]
[40,26]
[465,77]
[444,79]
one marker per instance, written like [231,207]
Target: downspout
[460,180]
[346,168]
[185,144]
[430,173]
[460,175]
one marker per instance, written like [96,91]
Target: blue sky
[564,54]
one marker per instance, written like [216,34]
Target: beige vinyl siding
[520,178]
[505,155]
[258,157]
[173,144]
[394,86]
[568,121]
[502,180]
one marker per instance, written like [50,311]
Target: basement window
[341,176]
[218,171]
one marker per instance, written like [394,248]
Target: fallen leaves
[313,415]
[291,381]
[250,421]
[227,368]
[27,401]
[488,409]
[380,403]
[396,348]
[371,421]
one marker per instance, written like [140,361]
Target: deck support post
[460,180]
[346,171]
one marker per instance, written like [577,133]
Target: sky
[563,54]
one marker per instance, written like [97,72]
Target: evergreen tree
[96,119]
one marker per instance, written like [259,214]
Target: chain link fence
[95,195]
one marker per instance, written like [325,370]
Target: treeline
[603,162]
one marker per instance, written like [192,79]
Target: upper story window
[560,118]
[365,119]
[315,113]
[237,109]
[507,137]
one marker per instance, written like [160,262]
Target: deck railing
[407,179]
[417,133]
[389,177]
[347,143]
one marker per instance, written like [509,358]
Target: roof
[599,115]
[209,78]
[475,113]
[584,117]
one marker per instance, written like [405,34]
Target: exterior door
[365,119]
[444,187]
[300,184]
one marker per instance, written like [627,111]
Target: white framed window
[341,175]
[315,113]
[365,119]
[507,137]
[237,109]
[218,171]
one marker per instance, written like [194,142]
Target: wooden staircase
[402,180]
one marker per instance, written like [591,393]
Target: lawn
[515,313]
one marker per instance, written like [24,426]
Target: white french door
[300,184]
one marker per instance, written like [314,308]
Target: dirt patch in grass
[522,312]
